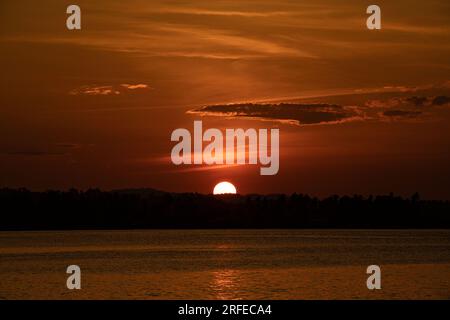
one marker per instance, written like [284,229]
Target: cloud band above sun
[396,108]
[294,113]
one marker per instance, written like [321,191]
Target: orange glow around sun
[224,188]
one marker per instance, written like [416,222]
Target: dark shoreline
[24,210]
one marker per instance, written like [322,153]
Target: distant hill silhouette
[22,209]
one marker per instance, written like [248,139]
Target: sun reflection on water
[226,284]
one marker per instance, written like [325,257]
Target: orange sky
[96,107]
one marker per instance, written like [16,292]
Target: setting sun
[224,188]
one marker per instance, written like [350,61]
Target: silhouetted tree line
[22,209]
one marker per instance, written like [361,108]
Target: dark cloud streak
[296,113]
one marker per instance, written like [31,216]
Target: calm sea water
[225,264]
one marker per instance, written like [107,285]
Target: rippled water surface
[225,264]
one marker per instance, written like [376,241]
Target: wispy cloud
[401,114]
[407,108]
[54,149]
[415,29]
[226,43]
[134,86]
[409,102]
[224,13]
[34,153]
[94,90]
